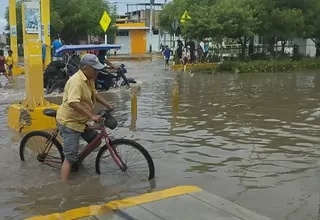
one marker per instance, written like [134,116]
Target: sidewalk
[182,202]
[137,57]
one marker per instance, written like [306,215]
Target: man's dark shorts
[71,140]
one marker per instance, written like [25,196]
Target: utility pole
[165,33]
[151,31]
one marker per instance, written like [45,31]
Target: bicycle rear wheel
[43,146]
[123,147]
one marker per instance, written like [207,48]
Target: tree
[238,19]
[224,19]
[280,20]
[275,20]
[312,21]
[19,21]
[289,23]
[72,19]
[175,9]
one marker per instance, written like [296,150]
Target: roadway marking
[113,206]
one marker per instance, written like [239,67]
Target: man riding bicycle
[76,109]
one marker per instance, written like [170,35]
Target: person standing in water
[167,54]
[2,64]
[9,63]
[56,44]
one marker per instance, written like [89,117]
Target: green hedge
[259,66]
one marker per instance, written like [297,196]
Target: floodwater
[252,139]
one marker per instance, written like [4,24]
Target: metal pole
[174,32]
[150,47]
[165,33]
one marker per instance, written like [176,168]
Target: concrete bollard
[185,68]
[134,103]
[175,104]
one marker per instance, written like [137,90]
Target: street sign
[105,21]
[13,30]
[175,24]
[185,16]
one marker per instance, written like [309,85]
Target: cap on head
[91,60]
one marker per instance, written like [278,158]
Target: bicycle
[110,146]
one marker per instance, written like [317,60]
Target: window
[123,33]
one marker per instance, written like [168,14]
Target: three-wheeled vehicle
[58,72]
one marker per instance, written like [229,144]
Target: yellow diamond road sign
[185,16]
[105,21]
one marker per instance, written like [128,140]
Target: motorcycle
[107,80]
[57,74]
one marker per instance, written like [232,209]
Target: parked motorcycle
[55,76]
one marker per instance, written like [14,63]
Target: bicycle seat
[50,112]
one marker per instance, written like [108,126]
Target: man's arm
[103,102]
[110,64]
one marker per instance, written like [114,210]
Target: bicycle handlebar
[104,113]
[108,120]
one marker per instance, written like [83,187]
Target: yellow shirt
[9,60]
[77,89]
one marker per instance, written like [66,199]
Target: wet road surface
[252,139]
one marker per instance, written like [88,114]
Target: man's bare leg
[65,170]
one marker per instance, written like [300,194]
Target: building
[3,40]
[134,30]
[133,38]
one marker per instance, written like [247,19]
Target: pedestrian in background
[167,55]
[9,63]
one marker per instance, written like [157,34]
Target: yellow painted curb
[119,58]
[194,66]
[17,71]
[118,204]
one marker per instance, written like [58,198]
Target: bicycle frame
[95,144]
[89,148]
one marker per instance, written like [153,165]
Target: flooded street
[252,139]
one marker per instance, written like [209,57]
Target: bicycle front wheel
[42,146]
[136,158]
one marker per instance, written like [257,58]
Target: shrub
[269,65]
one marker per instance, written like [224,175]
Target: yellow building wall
[137,37]
[138,41]
[134,25]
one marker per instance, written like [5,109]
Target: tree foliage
[175,9]
[275,20]
[19,21]
[72,19]
[224,18]
[312,21]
